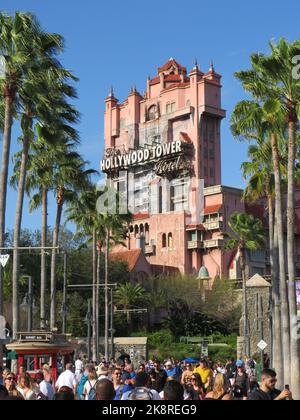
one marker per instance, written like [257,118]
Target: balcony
[150,249]
[213,243]
[195,245]
[213,225]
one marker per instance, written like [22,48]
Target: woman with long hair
[10,384]
[219,391]
[196,388]
[25,387]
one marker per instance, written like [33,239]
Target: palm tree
[127,296]
[267,120]
[36,109]
[69,178]
[285,90]
[247,234]
[261,184]
[18,48]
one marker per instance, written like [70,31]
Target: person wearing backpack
[89,390]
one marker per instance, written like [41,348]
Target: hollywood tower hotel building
[172,131]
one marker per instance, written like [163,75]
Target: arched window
[131,230]
[136,231]
[164,241]
[141,229]
[152,112]
[170,240]
[147,239]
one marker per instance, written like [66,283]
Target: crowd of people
[120,380]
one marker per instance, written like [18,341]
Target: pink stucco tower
[177,107]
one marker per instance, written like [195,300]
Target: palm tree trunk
[44,257]
[106,294]
[97,295]
[285,319]
[295,362]
[245,305]
[94,340]
[8,122]
[17,234]
[277,346]
[56,230]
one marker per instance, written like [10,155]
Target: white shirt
[66,378]
[78,366]
[155,394]
[29,396]
[47,390]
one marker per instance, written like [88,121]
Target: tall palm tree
[285,89]
[268,120]
[261,184]
[69,178]
[247,234]
[36,109]
[18,37]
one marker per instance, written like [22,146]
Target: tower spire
[212,68]
[111,92]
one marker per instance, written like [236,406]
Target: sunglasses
[9,379]
[118,374]
[193,379]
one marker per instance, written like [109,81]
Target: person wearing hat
[141,390]
[102,372]
[206,374]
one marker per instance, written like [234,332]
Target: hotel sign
[142,156]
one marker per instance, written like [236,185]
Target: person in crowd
[161,376]
[3,393]
[241,383]
[45,386]
[78,369]
[219,391]
[25,387]
[12,357]
[141,368]
[172,371]
[120,388]
[1,376]
[67,379]
[64,394]
[102,371]
[22,370]
[195,389]
[173,391]
[89,390]
[141,390]
[105,390]
[206,374]
[268,391]
[37,380]
[230,369]
[10,384]
[187,375]
[154,380]
[83,380]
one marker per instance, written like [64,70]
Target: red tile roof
[155,81]
[131,257]
[213,209]
[170,63]
[198,227]
[139,216]
[173,78]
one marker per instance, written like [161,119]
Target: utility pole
[64,303]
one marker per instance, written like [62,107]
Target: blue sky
[120,42]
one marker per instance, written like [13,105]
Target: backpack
[92,393]
[81,385]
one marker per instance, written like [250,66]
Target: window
[164,241]
[152,112]
[211,153]
[173,107]
[122,123]
[170,240]
[212,172]
[205,153]
[168,108]
[205,171]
